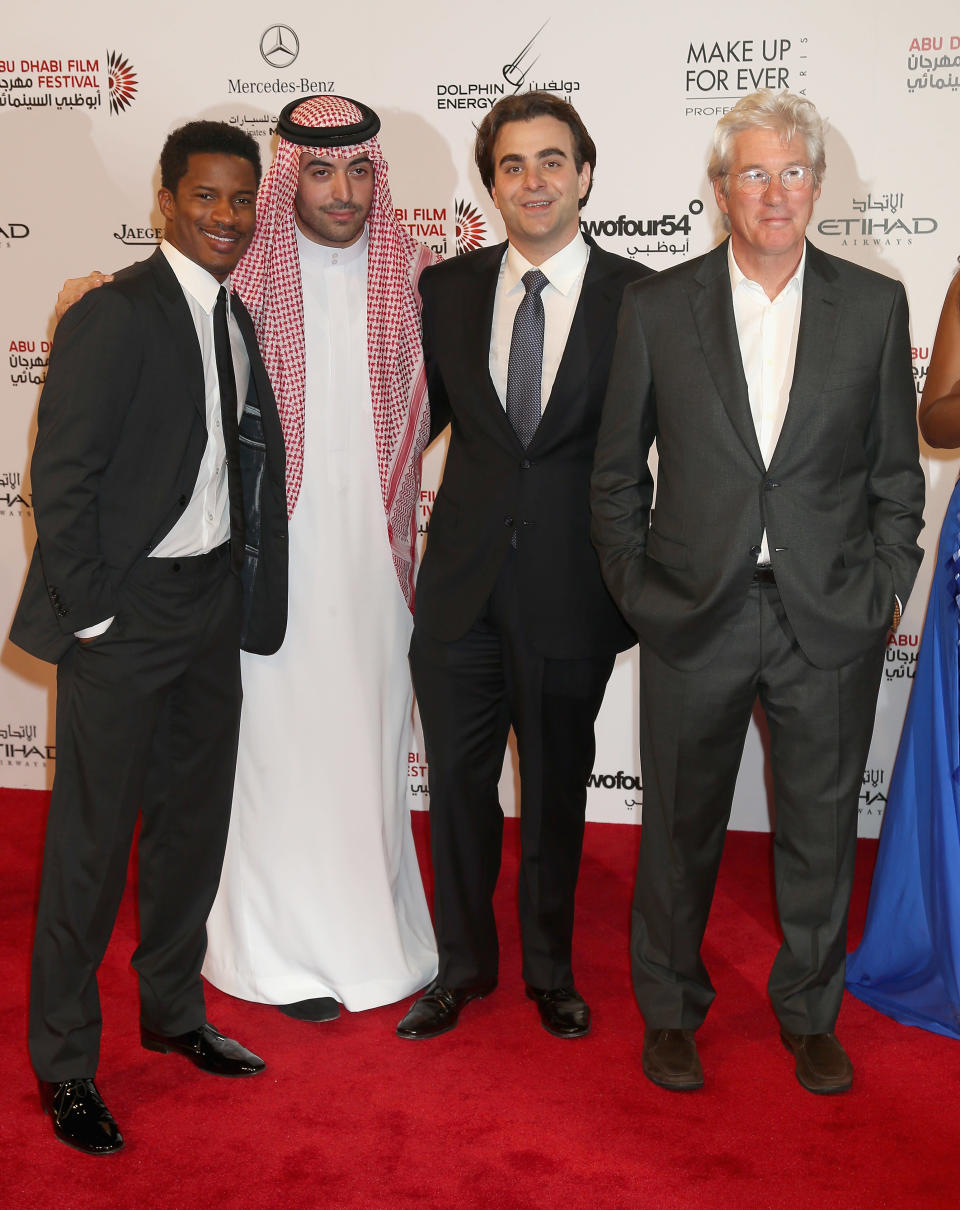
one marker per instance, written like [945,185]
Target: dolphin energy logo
[471,230]
[121,81]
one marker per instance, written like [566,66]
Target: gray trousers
[692,729]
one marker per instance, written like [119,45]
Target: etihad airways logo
[877,221]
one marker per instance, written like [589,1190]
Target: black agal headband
[327,136]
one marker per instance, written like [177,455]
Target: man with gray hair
[777,383]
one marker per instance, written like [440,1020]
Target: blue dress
[908,963]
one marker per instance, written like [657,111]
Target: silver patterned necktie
[525,368]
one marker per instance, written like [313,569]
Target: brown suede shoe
[670,1059]
[822,1063]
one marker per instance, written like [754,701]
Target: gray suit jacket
[841,501]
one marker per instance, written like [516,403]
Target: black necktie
[525,368]
[228,420]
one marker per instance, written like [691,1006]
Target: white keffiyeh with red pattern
[268,281]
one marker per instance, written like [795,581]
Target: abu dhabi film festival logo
[279,45]
[930,65]
[471,227]
[121,81]
[514,75]
[920,355]
[718,73]
[417,774]
[880,220]
[70,83]
[430,225]
[28,362]
[900,662]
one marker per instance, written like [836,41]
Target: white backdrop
[88,93]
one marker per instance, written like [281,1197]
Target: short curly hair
[204,138]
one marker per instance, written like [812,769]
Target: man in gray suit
[777,383]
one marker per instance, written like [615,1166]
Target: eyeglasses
[755,181]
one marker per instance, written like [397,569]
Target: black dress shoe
[823,1066]
[438,1009]
[80,1118]
[208,1049]
[670,1059]
[323,1008]
[563,1011]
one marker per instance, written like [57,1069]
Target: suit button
[755,550]
[508,521]
[182,501]
[175,567]
[525,464]
[770,484]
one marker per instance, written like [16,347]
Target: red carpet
[497,1113]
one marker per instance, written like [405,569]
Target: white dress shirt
[564,272]
[767,330]
[205,522]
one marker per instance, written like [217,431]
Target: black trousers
[148,718]
[692,730]
[469,693]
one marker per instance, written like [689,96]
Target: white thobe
[321,892]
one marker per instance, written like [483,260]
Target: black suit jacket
[121,430]
[491,486]
[841,501]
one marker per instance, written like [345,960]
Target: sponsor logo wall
[86,101]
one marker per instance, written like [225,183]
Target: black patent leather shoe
[322,1008]
[438,1009]
[207,1049]
[563,1011]
[80,1118]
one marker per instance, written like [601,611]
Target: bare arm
[940,406]
[74,288]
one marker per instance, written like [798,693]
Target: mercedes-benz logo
[279,46]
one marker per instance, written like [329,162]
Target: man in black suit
[161,538]
[777,384]
[513,624]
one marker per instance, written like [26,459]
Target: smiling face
[211,216]
[767,230]
[333,198]
[536,185]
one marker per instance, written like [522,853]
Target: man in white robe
[321,902]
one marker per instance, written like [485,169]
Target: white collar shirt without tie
[564,272]
[205,522]
[767,332]
[334,284]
